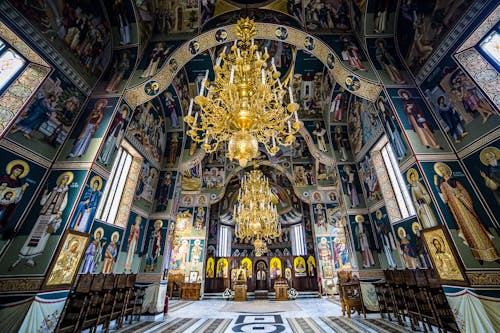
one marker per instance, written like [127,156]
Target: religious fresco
[471,228]
[326,175]
[351,187]
[154,244]
[308,86]
[364,241]
[304,175]
[173,148]
[123,22]
[146,130]
[18,184]
[119,71]
[380,16]
[423,25]
[172,108]
[180,84]
[165,191]
[79,31]
[351,54]
[410,244]
[213,178]
[114,136]
[170,17]
[339,104]
[382,51]
[86,207]
[341,146]
[458,104]
[392,128]
[103,251]
[155,55]
[327,16]
[47,119]
[30,252]
[483,166]
[370,181]
[417,121]
[386,241]
[421,198]
[146,184]
[364,126]
[192,178]
[318,132]
[86,137]
[133,244]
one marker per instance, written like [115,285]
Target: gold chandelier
[255,215]
[246,104]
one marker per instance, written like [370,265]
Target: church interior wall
[65,139]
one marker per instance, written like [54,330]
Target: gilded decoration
[136,95]
[24,285]
[17,43]
[481,31]
[19,92]
[482,72]
[484,278]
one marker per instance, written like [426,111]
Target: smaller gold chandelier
[255,215]
[245,104]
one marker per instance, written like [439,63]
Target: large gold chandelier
[255,215]
[246,104]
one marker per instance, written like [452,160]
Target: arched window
[11,64]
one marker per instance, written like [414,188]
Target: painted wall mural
[471,228]
[146,130]
[18,184]
[31,251]
[483,166]
[353,194]
[418,123]
[86,137]
[103,251]
[114,136]
[423,25]
[364,241]
[133,244]
[459,105]
[79,31]
[88,203]
[46,121]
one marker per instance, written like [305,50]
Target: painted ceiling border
[368,89]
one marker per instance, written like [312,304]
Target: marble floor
[263,316]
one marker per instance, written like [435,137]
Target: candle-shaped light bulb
[257,55]
[289,126]
[265,50]
[231,76]
[196,118]
[279,84]
[239,52]
[217,63]
[190,110]
[252,41]
[202,90]
[224,50]
[274,141]
[291,94]
[296,116]
[263,72]
[275,96]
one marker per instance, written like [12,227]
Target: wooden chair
[389,299]
[94,306]
[351,294]
[128,307]
[413,296]
[174,285]
[75,305]
[384,297]
[135,300]
[108,297]
[398,287]
[120,291]
[443,313]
